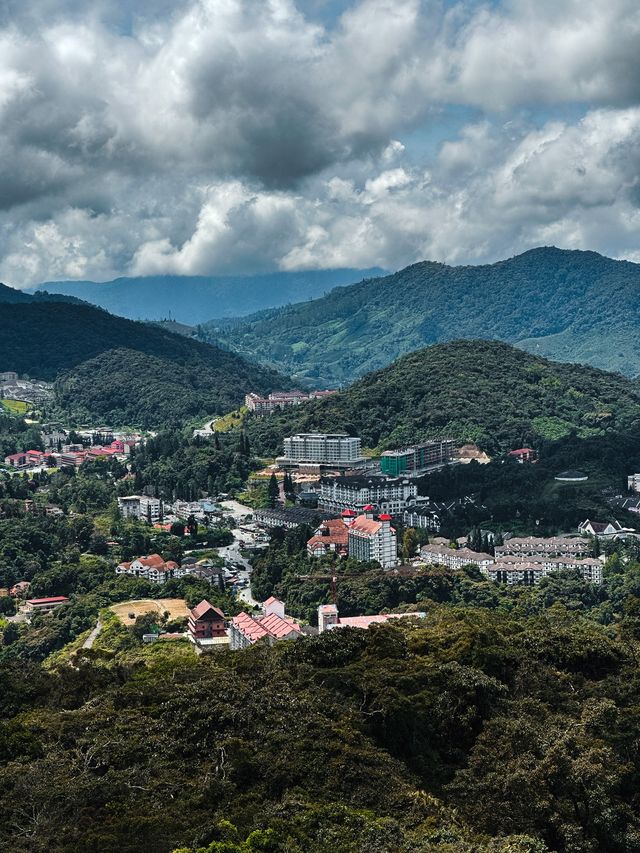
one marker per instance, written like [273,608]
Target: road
[206,430]
[88,643]
[231,553]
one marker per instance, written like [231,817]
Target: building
[454,558]
[8,376]
[152,568]
[551,546]
[33,606]
[514,569]
[140,506]
[286,516]
[28,459]
[332,537]
[417,459]
[333,450]
[273,625]
[373,539]
[329,618]
[390,495]
[522,455]
[279,400]
[206,622]
[633,482]
[604,529]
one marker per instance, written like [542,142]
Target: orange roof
[203,608]
[362,524]
[272,600]
[278,627]
[152,560]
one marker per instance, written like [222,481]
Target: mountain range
[567,305]
[120,371]
[196,299]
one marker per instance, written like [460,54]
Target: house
[522,455]
[43,605]
[604,529]
[331,537]
[372,538]
[454,558]
[206,622]
[153,568]
[272,626]
[329,619]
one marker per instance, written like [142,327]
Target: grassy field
[230,421]
[177,607]
[16,407]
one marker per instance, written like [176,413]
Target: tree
[273,490]
[409,543]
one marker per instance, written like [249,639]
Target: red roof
[348,513]
[278,627]
[384,517]
[368,508]
[522,451]
[272,600]
[204,608]
[54,599]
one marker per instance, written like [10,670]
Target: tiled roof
[203,608]
[272,600]
[365,525]
[153,560]
[278,627]
[52,600]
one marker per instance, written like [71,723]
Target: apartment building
[551,546]
[371,538]
[390,495]
[315,448]
[414,460]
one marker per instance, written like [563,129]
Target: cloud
[234,135]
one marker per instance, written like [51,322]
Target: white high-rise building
[322,449]
[373,539]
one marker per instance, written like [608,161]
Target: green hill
[566,305]
[483,391]
[121,371]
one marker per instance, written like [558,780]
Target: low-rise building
[541,546]
[289,517]
[279,400]
[454,558]
[531,570]
[272,625]
[206,622]
[522,455]
[33,606]
[332,536]
[152,568]
[604,529]
[329,618]
[140,506]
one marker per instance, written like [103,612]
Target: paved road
[88,643]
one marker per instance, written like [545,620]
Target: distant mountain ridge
[119,371]
[197,299]
[566,305]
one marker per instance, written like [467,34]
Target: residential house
[604,529]
[454,558]
[545,546]
[152,568]
[34,606]
[206,622]
[332,536]
[273,625]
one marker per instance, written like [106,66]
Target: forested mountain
[121,371]
[195,299]
[566,305]
[482,391]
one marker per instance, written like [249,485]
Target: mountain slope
[121,371]
[568,305]
[483,391]
[195,299]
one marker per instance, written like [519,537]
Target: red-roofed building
[206,621]
[328,618]
[522,455]
[153,568]
[245,630]
[331,537]
[43,605]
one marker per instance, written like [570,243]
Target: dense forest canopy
[483,391]
[567,305]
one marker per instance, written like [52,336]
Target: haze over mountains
[566,305]
[196,299]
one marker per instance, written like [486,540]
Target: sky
[240,136]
